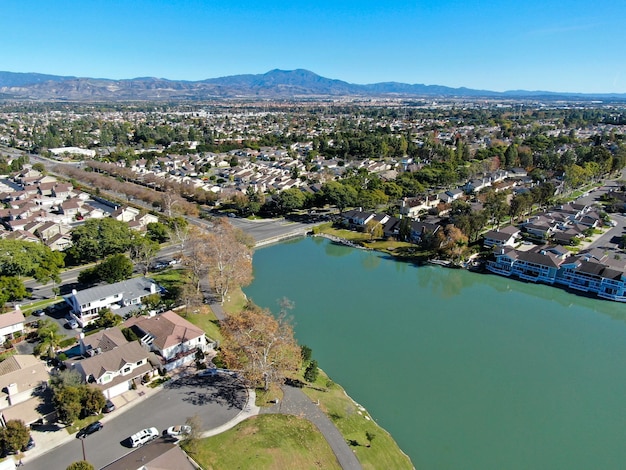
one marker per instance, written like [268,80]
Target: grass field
[373,446]
[204,318]
[266,442]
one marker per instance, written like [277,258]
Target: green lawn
[266,442]
[342,233]
[204,319]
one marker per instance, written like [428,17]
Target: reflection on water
[465,370]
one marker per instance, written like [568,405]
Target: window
[140,362]
[126,370]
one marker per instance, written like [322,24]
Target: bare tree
[261,346]
[230,259]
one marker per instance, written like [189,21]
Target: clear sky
[553,45]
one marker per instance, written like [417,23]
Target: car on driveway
[71,324]
[180,430]
[90,429]
[29,445]
[108,406]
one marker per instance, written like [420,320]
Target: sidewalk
[52,436]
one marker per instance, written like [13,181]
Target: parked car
[143,437]
[29,445]
[39,313]
[207,373]
[71,324]
[180,430]
[90,429]
[108,406]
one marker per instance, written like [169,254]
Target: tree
[80,465]
[229,258]
[107,319]
[21,258]
[99,238]
[339,195]
[262,347]
[190,440]
[158,232]
[290,200]
[196,256]
[11,289]
[311,372]
[67,401]
[92,400]
[113,269]
[375,229]
[451,242]
[143,250]
[14,436]
[49,338]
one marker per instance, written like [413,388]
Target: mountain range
[275,84]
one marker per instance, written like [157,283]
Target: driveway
[215,400]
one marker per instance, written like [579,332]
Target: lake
[465,370]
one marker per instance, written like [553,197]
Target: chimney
[81,343]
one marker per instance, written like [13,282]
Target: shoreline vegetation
[277,441]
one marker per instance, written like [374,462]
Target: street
[215,400]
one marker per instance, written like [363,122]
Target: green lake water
[466,371]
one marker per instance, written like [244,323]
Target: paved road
[268,231]
[295,402]
[215,400]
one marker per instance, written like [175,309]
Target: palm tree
[49,338]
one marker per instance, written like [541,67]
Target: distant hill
[275,84]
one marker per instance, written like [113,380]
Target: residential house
[475,185]
[115,370]
[419,230]
[506,236]
[11,325]
[21,378]
[411,207]
[125,214]
[157,455]
[122,298]
[357,218]
[172,337]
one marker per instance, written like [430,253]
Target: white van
[143,436]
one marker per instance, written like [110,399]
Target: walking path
[296,403]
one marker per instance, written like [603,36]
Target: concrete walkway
[296,403]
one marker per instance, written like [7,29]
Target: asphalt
[294,402]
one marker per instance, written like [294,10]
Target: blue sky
[554,45]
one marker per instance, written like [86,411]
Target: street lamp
[82,443]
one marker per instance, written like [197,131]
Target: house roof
[498,235]
[29,374]
[131,289]
[157,455]
[105,340]
[11,318]
[113,360]
[543,259]
[167,328]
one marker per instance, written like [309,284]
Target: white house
[121,297]
[172,337]
[10,324]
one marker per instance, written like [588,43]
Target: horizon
[591,94]
[558,47]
